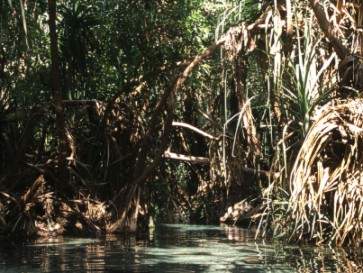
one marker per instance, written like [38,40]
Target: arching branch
[328,29]
[195,129]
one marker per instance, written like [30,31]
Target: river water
[177,249]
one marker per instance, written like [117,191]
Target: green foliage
[78,46]
[119,60]
[303,93]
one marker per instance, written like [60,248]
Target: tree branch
[195,129]
[187,158]
[328,29]
[205,160]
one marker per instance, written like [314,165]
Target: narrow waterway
[177,249]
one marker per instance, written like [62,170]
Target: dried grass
[326,183]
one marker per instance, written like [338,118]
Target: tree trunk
[142,170]
[62,145]
[328,29]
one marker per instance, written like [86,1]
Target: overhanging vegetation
[106,107]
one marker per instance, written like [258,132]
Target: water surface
[177,249]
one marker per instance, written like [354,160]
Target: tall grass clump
[298,84]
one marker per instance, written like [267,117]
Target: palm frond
[327,178]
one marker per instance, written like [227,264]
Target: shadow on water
[175,248]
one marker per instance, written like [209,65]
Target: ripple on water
[175,248]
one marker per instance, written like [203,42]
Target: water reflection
[175,248]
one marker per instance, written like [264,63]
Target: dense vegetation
[113,113]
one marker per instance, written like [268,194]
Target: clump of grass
[326,203]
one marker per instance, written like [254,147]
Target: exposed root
[40,213]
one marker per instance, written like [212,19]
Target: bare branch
[195,129]
[187,158]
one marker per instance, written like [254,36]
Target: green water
[175,248]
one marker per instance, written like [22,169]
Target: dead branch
[205,160]
[195,129]
[187,158]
